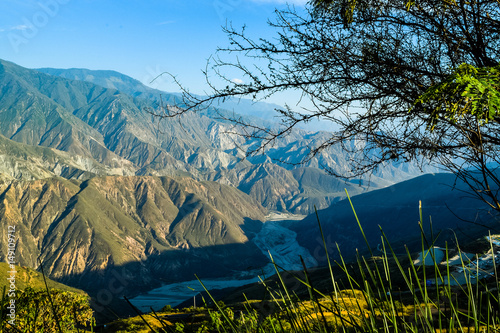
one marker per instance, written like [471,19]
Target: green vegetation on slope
[27,277]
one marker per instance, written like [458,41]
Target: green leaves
[468,92]
[34,313]
[345,8]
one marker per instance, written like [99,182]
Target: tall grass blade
[222,312]
[139,313]
[54,312]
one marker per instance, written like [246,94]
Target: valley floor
[273,239]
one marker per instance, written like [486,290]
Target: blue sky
[140,38]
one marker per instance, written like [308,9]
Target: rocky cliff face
[83,229]
[22,161]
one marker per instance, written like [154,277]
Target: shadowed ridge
[394,209]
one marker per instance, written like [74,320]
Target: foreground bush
[42,311]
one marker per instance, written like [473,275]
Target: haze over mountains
[95,183]
[111,133]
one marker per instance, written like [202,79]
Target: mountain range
[97,185]
[199,144]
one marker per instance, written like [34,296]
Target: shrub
[53,311]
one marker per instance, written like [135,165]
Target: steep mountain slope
[296,191]
[395,209]
[149,226]
[29,113]
[21,161]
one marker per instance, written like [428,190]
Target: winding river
[273,239]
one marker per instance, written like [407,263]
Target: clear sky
[139,38]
